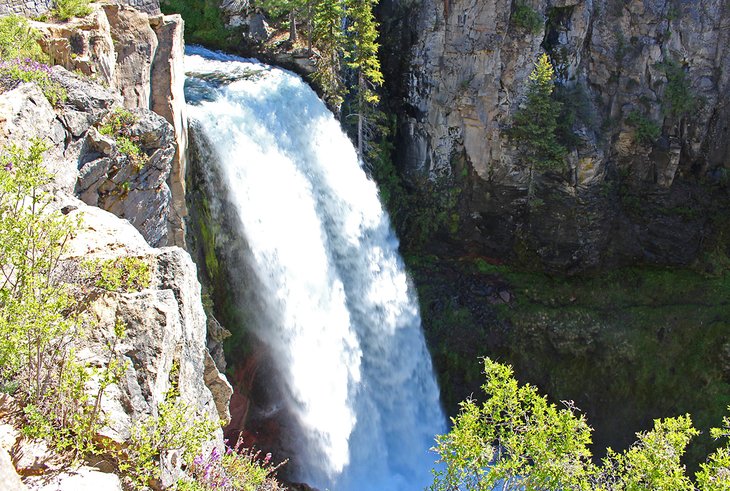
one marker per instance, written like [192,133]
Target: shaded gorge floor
[628,346]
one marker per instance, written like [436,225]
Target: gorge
[604,280]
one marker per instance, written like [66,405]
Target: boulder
[165,326]
[86,104]
[9,479]
[25,113]
[219,387]
[33,457]
[81,479]
[82,45]
[8,436]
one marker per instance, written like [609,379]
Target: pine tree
[362,58]
[534,125]
[291,8]
[329,38]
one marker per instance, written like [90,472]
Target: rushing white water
[338,313]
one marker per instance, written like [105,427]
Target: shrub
[175,428]
[647,131]
[19,40]
[121,274]
[527,18]
[118,124]
[238,468]
[66,9]
[69,418]
[204,22]
[516,440]
[35,324]
[678,101]
[15,72]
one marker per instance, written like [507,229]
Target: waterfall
[333,302]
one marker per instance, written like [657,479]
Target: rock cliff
[166,326]
[618,64]
[139,56]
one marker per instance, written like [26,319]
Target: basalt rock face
[622,197]
[138,56]
[166,321]
[165,324]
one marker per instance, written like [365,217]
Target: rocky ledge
[127,207]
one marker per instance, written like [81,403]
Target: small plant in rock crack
[120,274]
[238,468]
[16,72]
[118,125]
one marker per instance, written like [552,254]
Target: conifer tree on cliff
[329,38]
[293,9]
[362,58]
[534,125]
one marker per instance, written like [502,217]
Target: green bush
[237,468]
[34,303]
[527,18]
[678,100]
[516,440]
[175,428]
[203,21]
[18,40]
[647,131]
[121,274]
[66,9]
[15,72]
[118,124]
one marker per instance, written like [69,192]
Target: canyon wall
[622,198]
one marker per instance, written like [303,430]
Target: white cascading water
[340,317]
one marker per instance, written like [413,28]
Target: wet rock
[216,335]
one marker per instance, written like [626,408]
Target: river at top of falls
[335,307]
